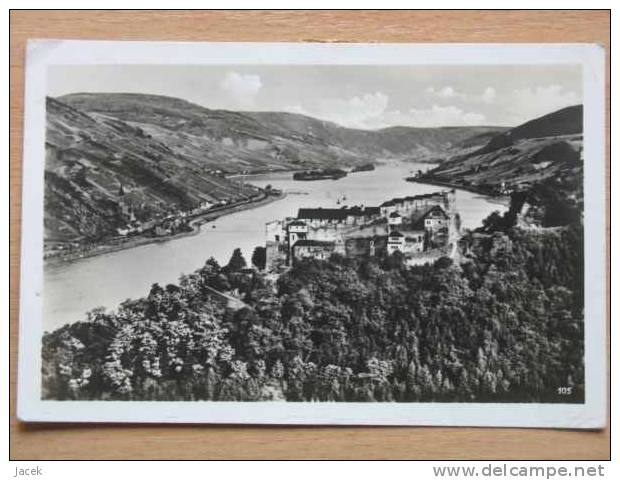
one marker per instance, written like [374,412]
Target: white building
[396,242]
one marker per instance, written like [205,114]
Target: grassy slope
[88,156]
[544,148]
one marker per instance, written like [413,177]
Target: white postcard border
[43,53]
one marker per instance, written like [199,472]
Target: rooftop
[322,213]
[297,223]
[417,220]
[313,243]
[396,201]
[336,213]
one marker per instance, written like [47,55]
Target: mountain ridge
[280,130]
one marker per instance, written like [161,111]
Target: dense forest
[503,324]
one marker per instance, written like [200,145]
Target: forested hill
[543,149]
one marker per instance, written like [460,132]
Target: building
[396,242]
[365,246]
[321,217]
[408,205]
[414,242]
[435,219]
[413,225]
[125,208]
[276,246]
[318,249]
[297,230]
[395,220]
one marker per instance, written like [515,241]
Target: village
[134,231]
[422,228]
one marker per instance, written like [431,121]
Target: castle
[421,227]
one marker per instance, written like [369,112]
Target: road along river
[72,289]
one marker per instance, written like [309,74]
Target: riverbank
[126,243]
[493,198]
[260,173]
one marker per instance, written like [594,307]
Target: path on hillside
[231,302]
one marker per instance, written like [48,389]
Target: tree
[443,263]
[155,291]
[507,325]
[259,257]
[211,266]
[236,262]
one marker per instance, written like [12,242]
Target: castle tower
[296,230]
[276,248]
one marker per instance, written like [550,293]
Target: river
[72,289]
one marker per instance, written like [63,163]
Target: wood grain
[243,442]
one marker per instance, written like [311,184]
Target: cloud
[435,116]
[445,92]
[360,111]
[489,95]
[532,102]
[441,116]
[242,88]
[370,111]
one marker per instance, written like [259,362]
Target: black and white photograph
[327,234]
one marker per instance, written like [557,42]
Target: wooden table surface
[243,442]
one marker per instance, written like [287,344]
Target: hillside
[409,143]
[546,148]
[259,141]
[567,121]
[89,157]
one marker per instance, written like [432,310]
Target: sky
[367,97]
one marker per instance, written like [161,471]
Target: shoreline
[200,220]
[196,225]
[501,199]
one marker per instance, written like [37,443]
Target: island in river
[321,174]
[367,167]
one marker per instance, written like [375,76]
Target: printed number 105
[565,390]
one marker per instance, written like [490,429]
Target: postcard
[347,234]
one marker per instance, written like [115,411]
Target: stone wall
[426,257]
